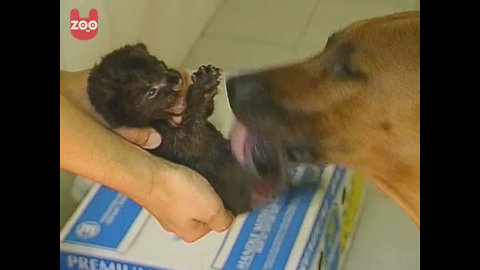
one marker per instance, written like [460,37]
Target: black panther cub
[131,88]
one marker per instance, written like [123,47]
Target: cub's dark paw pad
[207,77]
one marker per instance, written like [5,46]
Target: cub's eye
[152,92]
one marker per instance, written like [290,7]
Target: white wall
[167,27]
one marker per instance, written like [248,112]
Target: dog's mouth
[249,150]
[268,157]
[252,153]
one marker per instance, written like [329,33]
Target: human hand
[184,203]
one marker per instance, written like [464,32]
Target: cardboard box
[302,229]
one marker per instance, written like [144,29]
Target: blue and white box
[309,228]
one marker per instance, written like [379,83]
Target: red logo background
[84,28]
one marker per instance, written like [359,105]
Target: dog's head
[357,102]
[130,87]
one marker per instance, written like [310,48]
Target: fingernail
[154,140]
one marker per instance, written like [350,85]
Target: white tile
[398,5]
[168,27]
[331,16]
[371,189]
[386,238]
[235,55]
[270,21]
[174,26]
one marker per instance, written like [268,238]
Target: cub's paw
[207,78]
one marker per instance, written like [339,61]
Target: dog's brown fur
[357,103]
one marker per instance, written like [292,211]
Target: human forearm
[73,86]
[90,150]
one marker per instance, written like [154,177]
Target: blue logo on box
[87,229]
[105,221]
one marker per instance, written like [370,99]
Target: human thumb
[221,221]
[147,138]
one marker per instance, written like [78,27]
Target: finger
[165,226]
[147,138]
[221,221]
[193,231]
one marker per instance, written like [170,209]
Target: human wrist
[147,173]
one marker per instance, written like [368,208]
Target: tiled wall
[168,27]
[246,34]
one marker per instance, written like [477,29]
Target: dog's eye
[343,69]
[152,92]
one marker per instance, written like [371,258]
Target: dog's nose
[245,90]
[232,90]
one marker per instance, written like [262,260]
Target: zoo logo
[84,28]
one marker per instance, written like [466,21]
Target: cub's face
[130,87]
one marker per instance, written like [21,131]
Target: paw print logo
[84,28]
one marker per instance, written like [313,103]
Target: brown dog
[357,104]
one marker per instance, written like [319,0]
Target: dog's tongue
[238,140]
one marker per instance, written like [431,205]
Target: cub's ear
[142,46]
